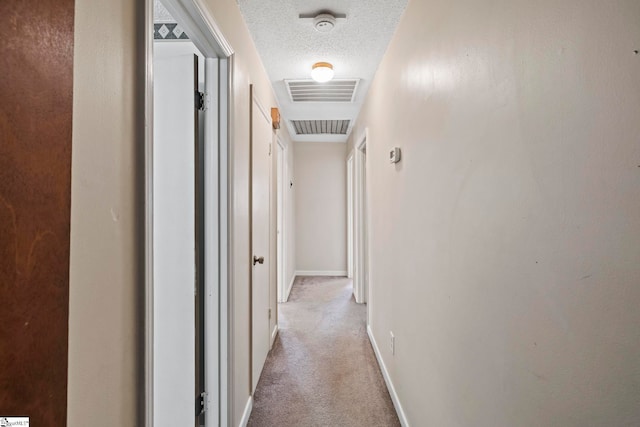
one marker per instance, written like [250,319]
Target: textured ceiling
[289,46]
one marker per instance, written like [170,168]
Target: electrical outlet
[393,343]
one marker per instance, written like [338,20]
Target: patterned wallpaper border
[169,31]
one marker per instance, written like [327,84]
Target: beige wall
[321,207]
[505,245]
[106,305]
[248,69]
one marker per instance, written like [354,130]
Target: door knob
[258,260]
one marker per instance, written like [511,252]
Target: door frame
[350,215]
[208,38]
[281,194]
[360,287]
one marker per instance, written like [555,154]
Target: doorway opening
[187,323]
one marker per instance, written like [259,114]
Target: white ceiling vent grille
[319,127]
[333,91]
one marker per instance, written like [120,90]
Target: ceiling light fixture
[322,72]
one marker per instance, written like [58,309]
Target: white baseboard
[288,291]
[387,379]
[247,412]
[274,334]
[320,273]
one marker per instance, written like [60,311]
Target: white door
[174,243]
[260,159]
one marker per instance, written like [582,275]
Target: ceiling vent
[320,127]
[335,90]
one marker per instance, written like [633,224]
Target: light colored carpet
[322,370]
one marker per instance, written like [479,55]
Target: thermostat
[394,155]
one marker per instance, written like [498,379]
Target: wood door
[261,138]
[36,87]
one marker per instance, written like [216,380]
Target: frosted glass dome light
[322,72]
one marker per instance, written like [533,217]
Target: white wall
[505,244]
[321,207]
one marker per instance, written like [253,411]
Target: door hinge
[269,314]
[204,402]
[200,101]
[270,144]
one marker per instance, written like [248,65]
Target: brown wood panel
[36,87]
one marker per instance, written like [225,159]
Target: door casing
[350,216]
[281,196]
[361,241]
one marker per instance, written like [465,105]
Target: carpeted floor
[322,370]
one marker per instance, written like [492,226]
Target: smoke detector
[324,22]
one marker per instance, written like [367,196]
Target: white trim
[387,379]
[226,256]
[212,226]
[221,41]
[247,413]
[288,291]
[274,334]
[340,273]
[202,28]
[360,241]
[148,214]
[350,257]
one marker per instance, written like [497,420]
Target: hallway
[473,166]
[322,370]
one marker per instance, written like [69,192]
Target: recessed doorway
[187,154]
